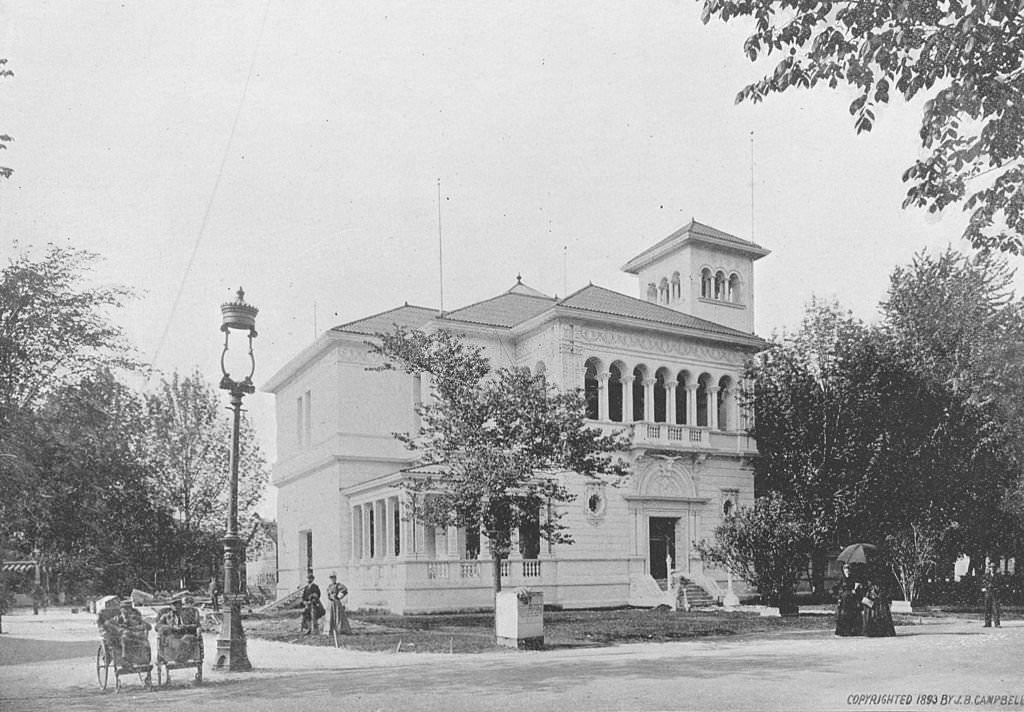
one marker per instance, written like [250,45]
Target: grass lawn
[474,632]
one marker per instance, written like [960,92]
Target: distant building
[665,365]
[261,559]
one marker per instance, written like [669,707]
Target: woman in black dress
[877,611]
[848,593]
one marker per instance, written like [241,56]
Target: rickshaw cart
[177,649]
[134,659]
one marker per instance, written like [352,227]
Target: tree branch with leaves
[966,56]
[494,447]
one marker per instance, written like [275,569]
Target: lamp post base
[231,645]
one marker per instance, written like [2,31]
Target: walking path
[49,660]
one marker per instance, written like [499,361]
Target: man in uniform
[312,609]
[991,582]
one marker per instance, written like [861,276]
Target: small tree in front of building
[767,546]
[912,552]
[497,443]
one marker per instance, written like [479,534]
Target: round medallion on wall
[595,502]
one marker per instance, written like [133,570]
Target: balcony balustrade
[682,437]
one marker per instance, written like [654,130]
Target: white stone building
[664,365]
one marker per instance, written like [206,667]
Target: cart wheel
[102,666]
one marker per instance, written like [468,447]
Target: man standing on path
[991,582]
[312,609]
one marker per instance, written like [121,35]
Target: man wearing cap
[177,627]
[312,608]
[129,633]
[336,594]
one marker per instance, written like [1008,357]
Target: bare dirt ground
[47,663]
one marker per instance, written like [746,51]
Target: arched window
[725,402]
[615,393]
[735,294]
[652,292]
[682,396]
[720,285]
[663,291]
[707,284]
[639,374]
[660,398]
[590,387]
[702,400]
[677,289]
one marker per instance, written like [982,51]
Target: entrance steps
[289,601]
[644,592]
[647,592]
[690,595]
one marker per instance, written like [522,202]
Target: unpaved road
[47,663]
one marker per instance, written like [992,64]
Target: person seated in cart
[178,628]
[127,635]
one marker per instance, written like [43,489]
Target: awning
[19,566]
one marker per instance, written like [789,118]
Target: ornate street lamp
[231,647]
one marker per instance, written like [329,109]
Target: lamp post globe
[237,316]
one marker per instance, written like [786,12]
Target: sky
[294,148]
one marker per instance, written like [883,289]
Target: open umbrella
[857,553]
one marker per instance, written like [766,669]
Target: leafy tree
[4,138]
[766,545]
[54,330]
[912,552]
[500,442]
[188,446]
[955,318]
[863,428]
[86,507]
[965,56]
[815,399]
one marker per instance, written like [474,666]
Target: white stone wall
[310,503]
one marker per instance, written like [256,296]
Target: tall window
[529,537]
[638,393]
[398,529]
[681,401]
[660,399]
[707,284]
[306,551]
[303,419]
[373,530]
[615,394]
[702,402]
[590,389]
[734,288]
[307,421]
[677,290]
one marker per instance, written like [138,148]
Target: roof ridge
[662,307]
[499,296]
[341,327]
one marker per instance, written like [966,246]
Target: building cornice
[751,343]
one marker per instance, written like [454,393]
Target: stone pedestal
[519,619]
